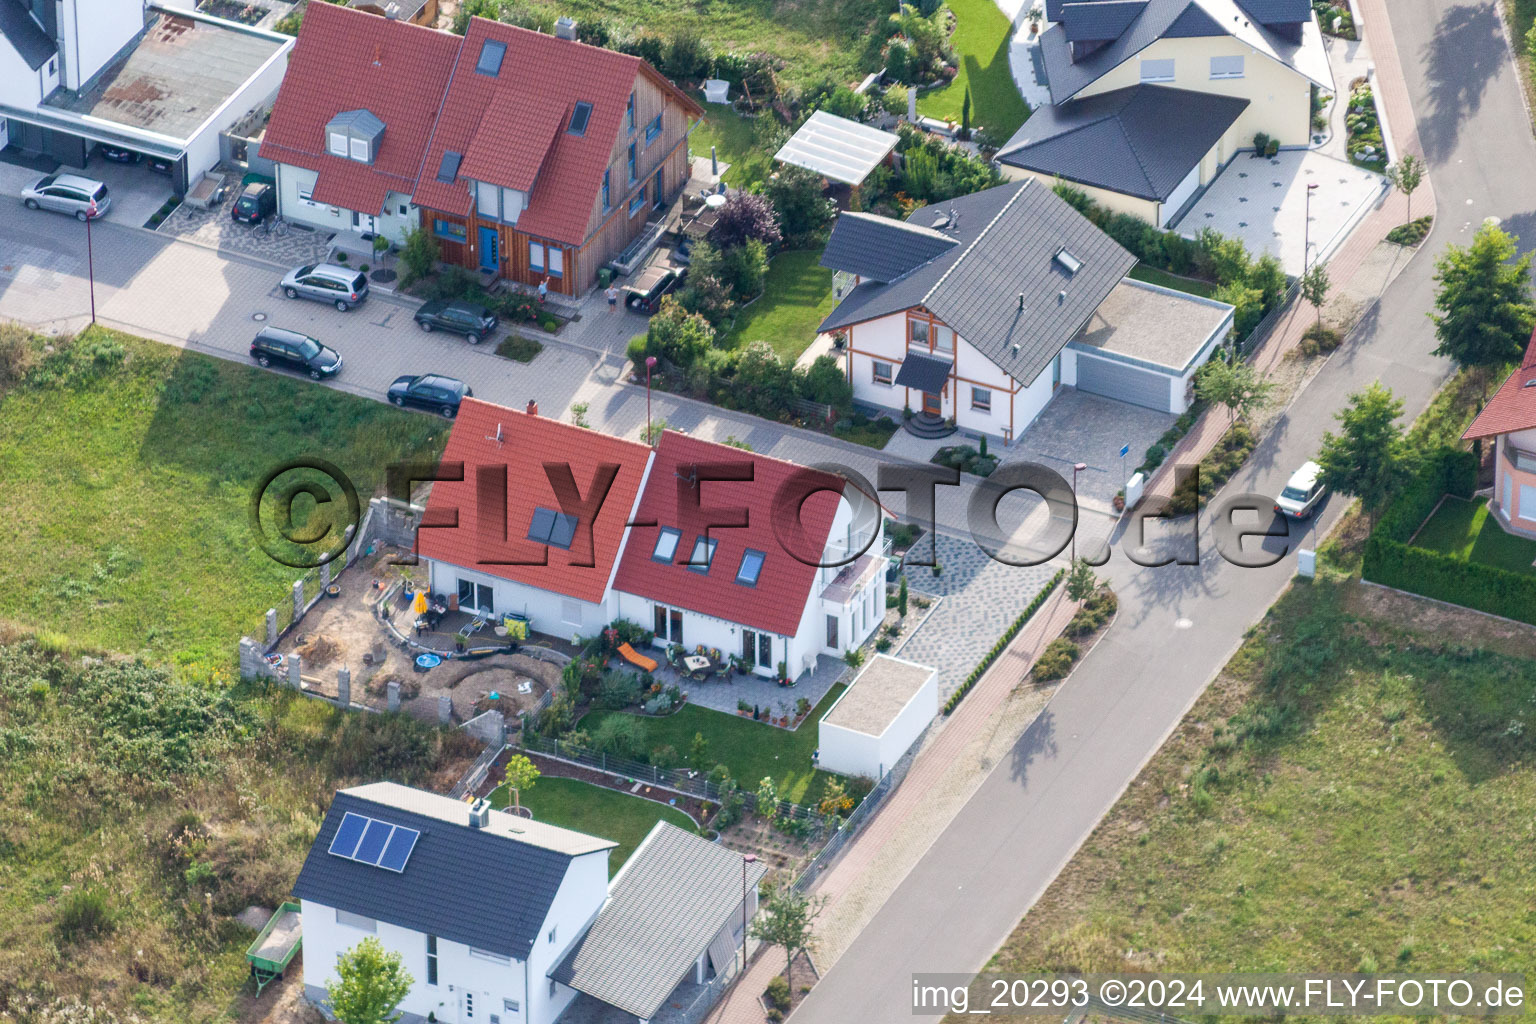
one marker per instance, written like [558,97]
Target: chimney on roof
[1061,297]
[1021,302]
[480,813]
[565,28]
[533,407]
[392,11]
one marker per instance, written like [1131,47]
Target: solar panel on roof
[374,839]
[398,851]
[348,833]
[551,527]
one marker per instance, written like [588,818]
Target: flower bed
[233,10]
[1366,148]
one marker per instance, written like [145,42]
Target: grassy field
[1463,529]
[1152,275]
[752,750]
[797,297]
[597,811]
[1350,794]
[981,40]
[140,810]
[837,39]
[127,468]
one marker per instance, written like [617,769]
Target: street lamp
[1075,470]
[1306,229]
[650,363]
[750,858]
[90,257]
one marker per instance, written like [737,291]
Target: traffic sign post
[1125,450]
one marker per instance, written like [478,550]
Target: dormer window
[354,135]
[579,118]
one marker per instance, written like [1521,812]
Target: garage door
[1180,196]
[1127,383]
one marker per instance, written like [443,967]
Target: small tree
[521,775]
[767,796]
[1484,303]
[745,216]
[418,255]
[785,922]
[369,985]
[698,753]
[834,799]
[901,596]
[1237,386]
[965,115]
[1369,458]
[1081,581]
[1405,176]
[1314,288]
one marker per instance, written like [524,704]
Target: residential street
[1179,624]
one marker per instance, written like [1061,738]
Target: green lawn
[597,811]
[981,38]
[1152,275]
[745,143]
[1464,529]
[752,750]
[797,297]
[1349,795]
[127,467]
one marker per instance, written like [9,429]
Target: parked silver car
[68,193]
[341,286]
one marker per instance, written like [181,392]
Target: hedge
[1002,642]
[1391,561]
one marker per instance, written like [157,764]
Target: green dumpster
[604,276]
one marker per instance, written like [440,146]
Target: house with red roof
[530,157]
[752,556]
[535,522]
[1509,422]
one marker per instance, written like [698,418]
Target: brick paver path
[1392,92]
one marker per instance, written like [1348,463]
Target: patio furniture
[695,662]
[275,947]
[636,659]
[717,90]
[470,629]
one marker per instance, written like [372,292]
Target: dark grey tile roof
[924,373]
[1277,12]
[26,37]
[879,248]
[1139,141]
[1009,237]
[490,888]
[1100,19]
[673,895]
[1160,19]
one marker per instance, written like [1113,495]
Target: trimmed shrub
[777,993]
[1056,660]
[1002,642]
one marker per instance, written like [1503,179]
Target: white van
[1302,492]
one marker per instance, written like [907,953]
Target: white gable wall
[547,611]
[576,904]
[91,32]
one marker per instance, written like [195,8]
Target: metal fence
[1265,327]
[709,995]
[477,772]
[861,814]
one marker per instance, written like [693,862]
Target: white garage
[879,717]
[1143,345]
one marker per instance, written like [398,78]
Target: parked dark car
[432,392]
[295,351]
[643,294]
[256,203]
[119,155]
[470,319]
[160,165]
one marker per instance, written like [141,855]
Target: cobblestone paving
[213,227]
[982,597]
[1079,427]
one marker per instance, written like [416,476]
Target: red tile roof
[1513,406]
[347,59]
[529,445]
[785,583]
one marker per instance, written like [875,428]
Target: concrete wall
[848,752]
[1280,99]
[260,89]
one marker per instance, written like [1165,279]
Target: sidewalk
[1392,91]
[954,759]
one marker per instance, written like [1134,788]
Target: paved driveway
[1264,202]
[1079,427]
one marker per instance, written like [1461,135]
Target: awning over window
[925,373]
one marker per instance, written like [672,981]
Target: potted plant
[783,674]
[1119,501]
[1034,17]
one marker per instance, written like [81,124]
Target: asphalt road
[1178,625]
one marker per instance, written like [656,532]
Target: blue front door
[490,250]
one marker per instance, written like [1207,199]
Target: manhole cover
[259,317]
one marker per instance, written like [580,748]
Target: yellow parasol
[419,606]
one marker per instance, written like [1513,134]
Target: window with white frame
[488,200]
[1157,70]
[1227,67]
[570,614]
[882,371]
[536,257]
[358,921]
[485,954]
[981,399]
[360,149]
[338,143]
[431,959]
[555,263]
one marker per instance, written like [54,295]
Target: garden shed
[837,148]
[878,718]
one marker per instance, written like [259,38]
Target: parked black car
[295,351]
[256,203]
[432,392]
[160,165]
[119,155]
[470,319]
[643,294]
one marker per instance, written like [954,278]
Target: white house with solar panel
[500,919]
